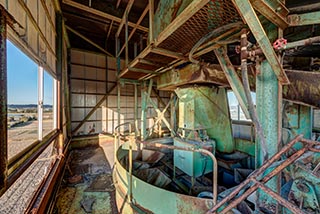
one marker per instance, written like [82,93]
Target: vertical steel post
[119,109]
[40,102]
[173,113]
[267,89]
[151,18]
[55,103]
[3,104]
[136,110]
[59,47]
[126,40]
[143,111]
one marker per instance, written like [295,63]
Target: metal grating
[215,14]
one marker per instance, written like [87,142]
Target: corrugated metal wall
[92,76]
[37,37]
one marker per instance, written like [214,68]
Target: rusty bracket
[258,179]
[250,17]
[273,10]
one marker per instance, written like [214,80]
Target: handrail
[191,149]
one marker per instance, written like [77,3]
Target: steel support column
[143,111]
[233,79]
[267,101]
[136,110]
[3,103]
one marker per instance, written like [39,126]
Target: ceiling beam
[125,14]
[109,30]
[118,4]
[100,14]
[89,41]
[135,27]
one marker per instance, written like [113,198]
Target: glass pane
[47,104]
[22,100]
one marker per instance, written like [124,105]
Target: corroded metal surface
[146,197]
[303,88]
[3,102]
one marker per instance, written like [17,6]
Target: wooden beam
[135,27]
[109,30]
[100,13]
[89,41]
[125,14]
[94,109]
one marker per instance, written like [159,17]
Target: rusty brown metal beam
[118,4]
[109,31]
[3,103]
[275,11]
[258,175]
[304,87]
[94,109]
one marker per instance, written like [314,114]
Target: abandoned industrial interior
[163,106]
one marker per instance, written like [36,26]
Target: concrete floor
[94,192]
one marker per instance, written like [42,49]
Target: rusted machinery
[206,167]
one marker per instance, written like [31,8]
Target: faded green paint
[194,164]
[298,119]
[151,199]
[166,12]
[260,35]
[245,146]
[304,19]
[210,112]
[267,89]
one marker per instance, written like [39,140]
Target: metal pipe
[203,151]
[246,86]
[215,32]
[303,42]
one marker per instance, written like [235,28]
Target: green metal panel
[211,112]
[245,146]
[166,12]
[194,164]
[151,199]
[298,120]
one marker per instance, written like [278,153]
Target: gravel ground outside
[19,195]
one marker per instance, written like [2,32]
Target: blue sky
[23,78]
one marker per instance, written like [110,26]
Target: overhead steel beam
[101,14]
[185,15]
[135,27]
[94,109]
[89,41]
[233,79]
[273,10]
[124,17]
[118,4]
[304,19]
[168,53]
[109,30]
[252,20]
